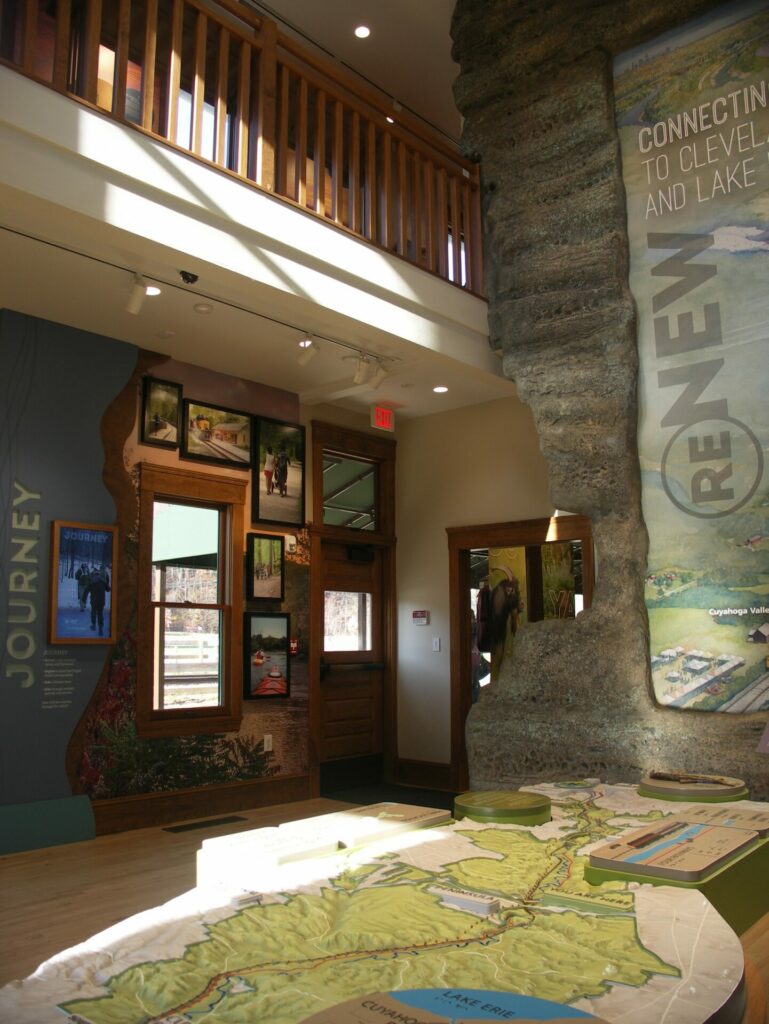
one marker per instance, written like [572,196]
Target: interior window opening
[186,596]
[349,492]
[511,586]
[191,593]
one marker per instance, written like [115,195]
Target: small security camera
[188,277]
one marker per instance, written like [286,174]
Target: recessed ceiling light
[362,31]
[203,307]
[440,389]
[305,343]
[389,120]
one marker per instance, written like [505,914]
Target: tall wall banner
[693,118]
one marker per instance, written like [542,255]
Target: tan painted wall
[475,465]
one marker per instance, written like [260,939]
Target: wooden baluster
[401,197]
[353,174]
[242,110]
[385,192]
[264,107]
[442,222]
[465,238]
[372,184]
[337,164]
[61,45]
[281,184]
[122,44]
[220,105]
[474,257]
[300,156]
[90,67]
[198,85]
[456,231]
[174,71]
[417,178]
[29,45]
[319,204]
[430,224]
[148,66]
[468,239]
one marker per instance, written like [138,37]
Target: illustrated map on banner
[693,117]
[490,907]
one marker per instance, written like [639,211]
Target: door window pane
[347,621]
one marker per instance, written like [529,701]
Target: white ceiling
[407,55]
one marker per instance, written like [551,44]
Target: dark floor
[358,780]
[374,793]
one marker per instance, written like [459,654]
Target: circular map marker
[692,786]
[511,807]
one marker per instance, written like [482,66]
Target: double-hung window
[190,602]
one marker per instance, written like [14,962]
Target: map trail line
[354,956]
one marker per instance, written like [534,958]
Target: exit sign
[382,418]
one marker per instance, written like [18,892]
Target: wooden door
[352,663]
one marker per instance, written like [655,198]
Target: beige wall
[480,464]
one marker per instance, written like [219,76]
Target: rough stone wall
[535,89]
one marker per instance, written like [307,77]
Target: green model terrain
[379,927]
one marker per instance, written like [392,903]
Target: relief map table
[468,904]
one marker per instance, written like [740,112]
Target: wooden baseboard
[755,995]
[151,809]
[423,774]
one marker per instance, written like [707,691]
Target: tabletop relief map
[489,907]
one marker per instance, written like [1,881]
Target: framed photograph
[214,434]
[266,655]
[83,573]
[277,488]
[264,567]
[161,412]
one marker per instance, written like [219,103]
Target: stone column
[536,92]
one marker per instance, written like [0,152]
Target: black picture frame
[216,434]
[266,655]
[161,414]
[271,503]
[82,606]
[265,567]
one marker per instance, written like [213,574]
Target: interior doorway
[502,577]
[352,663]
[352,688]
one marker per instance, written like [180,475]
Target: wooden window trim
[229,495]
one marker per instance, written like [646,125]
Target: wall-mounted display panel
[83,568]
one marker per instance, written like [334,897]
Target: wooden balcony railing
[221,82]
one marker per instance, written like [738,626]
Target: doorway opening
[504,576]
[352,695]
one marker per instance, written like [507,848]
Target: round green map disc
[507,807]
[706,789]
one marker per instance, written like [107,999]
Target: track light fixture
[361,369]
[140,289]
[378,375]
